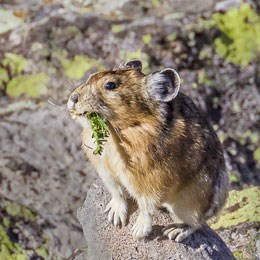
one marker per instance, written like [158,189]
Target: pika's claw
[117,211]
[178,232]
[142,227]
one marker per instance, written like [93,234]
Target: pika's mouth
[74,114]
[99,126]
[79,114]
[92,116]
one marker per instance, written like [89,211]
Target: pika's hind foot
[117,211]
[178,232]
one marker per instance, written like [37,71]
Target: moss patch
[240,39]
[15,62]
[28,85]
[14,209]
[242,206]
[8,249]
[16,222]
[14,80]
[76,67]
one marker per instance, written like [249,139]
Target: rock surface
[107,242]
[43,167]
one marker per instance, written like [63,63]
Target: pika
[161,150]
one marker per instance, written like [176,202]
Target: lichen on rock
[242,206]
[21,237]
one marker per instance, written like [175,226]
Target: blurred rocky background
[47,47]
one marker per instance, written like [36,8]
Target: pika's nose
[74,98]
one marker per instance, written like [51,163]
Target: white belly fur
[111,163]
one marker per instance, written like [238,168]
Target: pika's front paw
[178,232]
[117,211]
[142,227]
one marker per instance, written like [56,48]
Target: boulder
[105,241]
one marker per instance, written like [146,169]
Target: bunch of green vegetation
[100,131]
[15,82]
[240,39]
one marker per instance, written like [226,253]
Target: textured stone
[43,167]
[105,241]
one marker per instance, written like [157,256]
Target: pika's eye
[110,85]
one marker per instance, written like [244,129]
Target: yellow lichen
[242,206]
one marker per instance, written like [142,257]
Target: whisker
[67,92]
[57,106]
[58,119]
[88,147]
[70,84]
[80,82]
[118,134]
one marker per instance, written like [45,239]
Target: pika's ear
[163,85]
[133,64]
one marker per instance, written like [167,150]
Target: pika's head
[125,94]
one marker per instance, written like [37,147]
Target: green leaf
[28,85]
[100,131]
[8,21]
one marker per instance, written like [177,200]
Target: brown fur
[167,151]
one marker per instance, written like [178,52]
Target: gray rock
[43,167]
[105,241]
[227,4]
